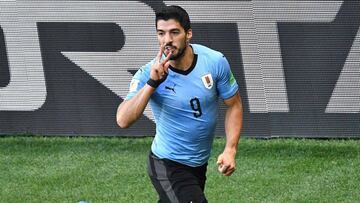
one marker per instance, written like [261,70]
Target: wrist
[156,83]
[153,83]
[230,150]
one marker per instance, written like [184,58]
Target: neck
[183,63]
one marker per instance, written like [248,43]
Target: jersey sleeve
[226,83]
[139,80]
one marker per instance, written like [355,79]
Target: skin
[233,123]
[174,43]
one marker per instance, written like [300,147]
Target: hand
[226,163]
[159,69]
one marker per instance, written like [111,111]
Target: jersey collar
[186,72]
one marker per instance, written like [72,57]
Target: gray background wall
[66,65]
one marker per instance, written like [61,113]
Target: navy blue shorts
[175,182]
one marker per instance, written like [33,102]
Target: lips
[169,49]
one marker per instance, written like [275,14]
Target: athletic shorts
[175,182]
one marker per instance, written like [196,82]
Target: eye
[160,34]
[175,32]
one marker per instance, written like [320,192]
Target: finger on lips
[161,66]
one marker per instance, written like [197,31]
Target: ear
[189,35]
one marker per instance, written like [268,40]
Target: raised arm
[130,110]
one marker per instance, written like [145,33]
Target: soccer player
[183,84]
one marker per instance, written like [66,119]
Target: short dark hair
[174,12]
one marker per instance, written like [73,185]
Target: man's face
[173,36]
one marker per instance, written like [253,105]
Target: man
[183,84]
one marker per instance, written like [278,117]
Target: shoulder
[211,56]
[207,52]
[147,66]
[145,69]
[143,72]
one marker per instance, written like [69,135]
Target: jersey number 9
[195,105]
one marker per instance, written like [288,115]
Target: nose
[168,38]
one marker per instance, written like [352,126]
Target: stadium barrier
[66,65]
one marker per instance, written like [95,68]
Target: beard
[180,52]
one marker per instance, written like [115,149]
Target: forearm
[233,125]
[130,111]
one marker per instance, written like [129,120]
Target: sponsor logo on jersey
[171,88]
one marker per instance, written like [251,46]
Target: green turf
[61,169]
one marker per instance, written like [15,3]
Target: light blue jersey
[185,106]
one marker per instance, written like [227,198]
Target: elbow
[122,123]
[121,118]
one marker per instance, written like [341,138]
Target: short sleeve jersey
[185,105]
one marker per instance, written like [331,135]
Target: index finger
[167,58]
[160,53]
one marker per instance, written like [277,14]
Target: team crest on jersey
[208,81]
[133,85]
